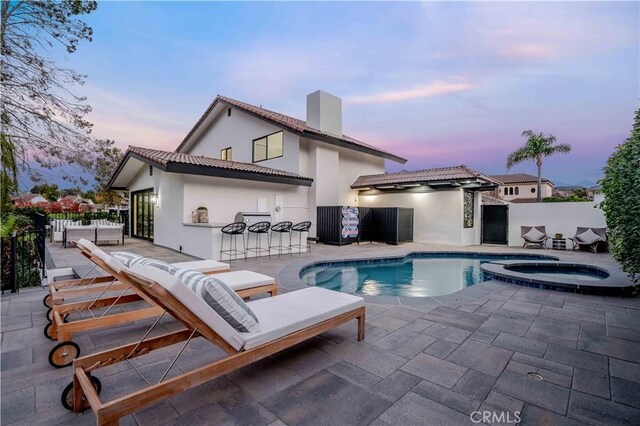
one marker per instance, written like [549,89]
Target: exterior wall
[437,215]
[238,132]
[524,190]
[352,164]
[557,217]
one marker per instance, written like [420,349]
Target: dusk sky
[438,83]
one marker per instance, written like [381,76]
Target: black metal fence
[121,216]
[23,258]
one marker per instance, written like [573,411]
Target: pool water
[426,275]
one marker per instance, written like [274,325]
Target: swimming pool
[416,275]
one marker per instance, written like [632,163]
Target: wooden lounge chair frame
[592,246]
[59,329]
[542,242]
[83,394]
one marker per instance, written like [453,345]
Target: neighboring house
[30,199]
[67,200]
[521,186]
[244,158]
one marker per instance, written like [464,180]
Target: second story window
[225,154]
[268,147]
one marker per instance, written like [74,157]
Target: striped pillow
[224,301]
[167,267]
[60,224]
[99,222]
[127,258]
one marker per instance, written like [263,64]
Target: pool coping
[289,278]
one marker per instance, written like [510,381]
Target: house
[29,199]
[521,187]
[68,200]
[240,157]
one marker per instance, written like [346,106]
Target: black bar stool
[301,228]
[233,230]
[258,229]
[281,228]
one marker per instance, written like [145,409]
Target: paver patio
[426,363]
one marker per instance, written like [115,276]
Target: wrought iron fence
[23,258]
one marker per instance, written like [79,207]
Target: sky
[441,84]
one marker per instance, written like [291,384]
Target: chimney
[324,112]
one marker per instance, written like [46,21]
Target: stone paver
[424,360]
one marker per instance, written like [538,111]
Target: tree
[48,191]
[621,203]
[537,147]
[107,158]
[8,173]
[71,191]
[40,118]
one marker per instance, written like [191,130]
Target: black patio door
[495,224]
[142,214]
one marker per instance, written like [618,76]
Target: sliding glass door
[142,214]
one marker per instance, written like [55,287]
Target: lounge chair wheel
[47,301]
[47,331]
[50,315]
[63,354]
[67,395]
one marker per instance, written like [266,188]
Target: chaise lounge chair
[534,236]
[244,283]
[283,320]
[589,238]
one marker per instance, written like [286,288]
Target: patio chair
[57,229]
[534,236]
[589,238]
[244,283]
[110,232]
[73,232]
[284,321]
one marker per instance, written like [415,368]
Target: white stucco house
[522,187]
[244,158]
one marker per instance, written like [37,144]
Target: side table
[559,243]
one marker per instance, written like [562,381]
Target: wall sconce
[153,198]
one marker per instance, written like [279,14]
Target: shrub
[621,204]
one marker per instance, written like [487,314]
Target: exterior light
[153,198]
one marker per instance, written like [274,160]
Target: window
[228,112]
[517,190]
[150,170]
[533,190]
[268,147]
[510,191]
[225,154]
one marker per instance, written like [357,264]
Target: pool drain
[534,376]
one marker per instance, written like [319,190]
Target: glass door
[142,214]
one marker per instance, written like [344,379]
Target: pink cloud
[425,91]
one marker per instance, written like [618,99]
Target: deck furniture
[74,232]
[244,283]
[284,321]
[280,229]
[258,230]
[232,231]
[110,232]
[301,228]
[590,238]
[534,236]
[559,243]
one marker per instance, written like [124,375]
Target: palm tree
[538,146]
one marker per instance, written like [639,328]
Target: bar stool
[233,230]
[301,228]
[281,228]
[258,229]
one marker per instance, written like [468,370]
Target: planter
[203,215]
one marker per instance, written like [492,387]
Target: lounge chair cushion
[203,265]
[111,261]
[240,280]
[222,299]
[290,312]
[192,302]
[533,235]
[87,245]
[589,237]
[127,258]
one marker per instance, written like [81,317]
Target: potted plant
[558,235]
[203,214]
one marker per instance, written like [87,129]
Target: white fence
[557,217]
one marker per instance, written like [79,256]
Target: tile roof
[524,200]
[461,172]
[293,124]
[517,178]
[166,158]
